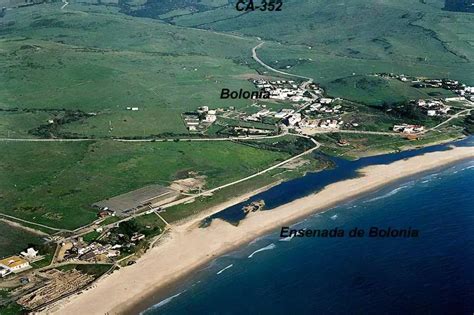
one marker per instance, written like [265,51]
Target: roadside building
[30,253]
[431,112]
[408,129]
[210,118]
[4,272]
[14,264]
[325,100]
[126,204]
[294,119]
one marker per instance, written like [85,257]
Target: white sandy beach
[188,246]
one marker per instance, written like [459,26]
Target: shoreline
[187,247]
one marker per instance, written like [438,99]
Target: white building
[210,118]
[453,99]
[408,129]
[30,253]
[294,119]
[4,272]
[14,264]
[285,112]
[325,100]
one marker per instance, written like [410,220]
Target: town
[305,109]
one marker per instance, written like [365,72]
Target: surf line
[269,247]
[65,4]
[228,267]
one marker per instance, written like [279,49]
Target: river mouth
[313,182]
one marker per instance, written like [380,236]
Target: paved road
[34,223]
[205,139]
[451,118]
[146,140]
[44,140]
[361,132]
[255,57]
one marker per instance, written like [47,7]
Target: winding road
[257,59]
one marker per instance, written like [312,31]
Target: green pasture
[56,183]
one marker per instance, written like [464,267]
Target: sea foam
[269,247]
[222,270]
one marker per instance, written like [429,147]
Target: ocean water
[430,274]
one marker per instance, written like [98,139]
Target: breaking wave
[287,239]
[389,194]
[222,270]
[269,247]
[167,300]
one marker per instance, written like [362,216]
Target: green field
[97,60]
[15,124]
[88,63]
[14,240]
[56,183]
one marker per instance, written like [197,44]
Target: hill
[331,39]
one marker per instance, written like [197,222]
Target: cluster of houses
[280,90]
[409,129]
[321,107]
[78,249]
[463,91]
[321,123]
[281,114]
[286,90]
[432,107]
[291,117]
[251,131]
[201,119]
[18,263]
[93,252]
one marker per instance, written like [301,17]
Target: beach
[187,246]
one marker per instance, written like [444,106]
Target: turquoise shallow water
[432,273]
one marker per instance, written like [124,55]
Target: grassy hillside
[375,91]
[415,37]
[97,60]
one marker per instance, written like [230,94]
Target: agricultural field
[14,240]
[58,186]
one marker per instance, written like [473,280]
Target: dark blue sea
[429,274]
